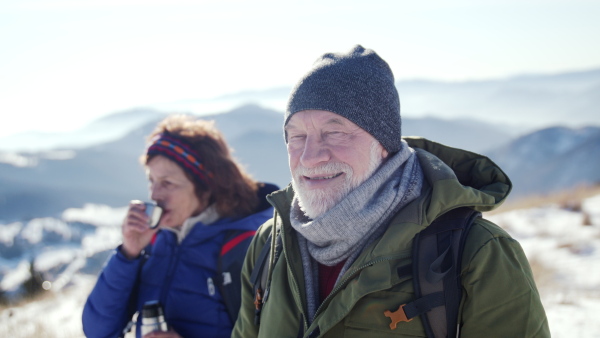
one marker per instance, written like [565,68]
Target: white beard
[315,202]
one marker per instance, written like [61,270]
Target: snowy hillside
[563,247]
[68,252]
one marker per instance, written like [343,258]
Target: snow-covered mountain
[45,183]
[551,160]
[562,245]
[39,185]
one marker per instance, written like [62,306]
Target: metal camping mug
[154,213]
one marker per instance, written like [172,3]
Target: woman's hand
[158,334]
[136,231]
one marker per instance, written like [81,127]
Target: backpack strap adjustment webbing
[406,312]
[424,304]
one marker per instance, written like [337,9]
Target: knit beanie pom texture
[358,85]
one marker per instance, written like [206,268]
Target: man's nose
[315,152]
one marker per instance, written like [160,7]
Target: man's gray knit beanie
[359,86]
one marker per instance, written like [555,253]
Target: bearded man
[359,195]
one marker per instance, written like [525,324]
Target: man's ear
[384,153]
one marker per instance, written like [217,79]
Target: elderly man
[340,244]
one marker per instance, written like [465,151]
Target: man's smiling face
[329,156]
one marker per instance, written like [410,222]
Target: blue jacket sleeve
[105,312]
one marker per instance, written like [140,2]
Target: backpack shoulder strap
[260,277]
[437,255]
[229,265]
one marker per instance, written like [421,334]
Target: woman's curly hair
[232,189]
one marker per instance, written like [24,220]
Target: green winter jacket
[500,298]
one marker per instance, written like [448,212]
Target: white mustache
[327,170]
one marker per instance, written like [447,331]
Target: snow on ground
[15,276]
[59,248]
[62,248]
[591,206]
[56,315]
[563,247]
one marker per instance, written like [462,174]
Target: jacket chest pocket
[368,315]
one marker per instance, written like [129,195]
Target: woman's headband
[181,153]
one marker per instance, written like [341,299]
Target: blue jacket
[183,277]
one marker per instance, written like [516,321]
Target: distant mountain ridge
[551,160]
[521,104]
[539,101]
[110,174]
[105,129]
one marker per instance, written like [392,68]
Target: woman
[211,209]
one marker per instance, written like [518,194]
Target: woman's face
[173,191]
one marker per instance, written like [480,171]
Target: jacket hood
[459,178]
[453,178]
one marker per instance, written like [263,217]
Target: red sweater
[327,277]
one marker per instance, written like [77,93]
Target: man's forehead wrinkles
[336,120]
[314,122]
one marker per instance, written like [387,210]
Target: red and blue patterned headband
[181,153]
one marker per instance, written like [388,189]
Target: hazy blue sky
[64,63]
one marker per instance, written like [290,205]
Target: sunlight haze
[66,63]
